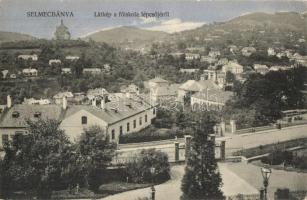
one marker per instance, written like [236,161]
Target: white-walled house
[33,57]
[262,69]
[233,67]
[93,71]
[58,98]
[115,118]
[54,61]
[72,58]
[212,99]
[30,72]
[156,82]
[66,70]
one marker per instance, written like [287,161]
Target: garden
[286,160]
[65,170]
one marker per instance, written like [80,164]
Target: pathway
[170,190]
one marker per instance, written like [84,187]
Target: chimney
[94,102]
[103,102]
[64,103]
[9,101]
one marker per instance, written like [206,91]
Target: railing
[270,127]
[255,129]
[244,197]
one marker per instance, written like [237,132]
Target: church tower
[61,32]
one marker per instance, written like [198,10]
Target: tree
[230,77]
[96,151]
[202,179]
[138,170]
[36,162]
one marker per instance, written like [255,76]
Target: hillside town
[201,114]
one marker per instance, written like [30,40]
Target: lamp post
[266,173]
[153,190]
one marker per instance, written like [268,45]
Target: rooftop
[197,86]
[158,80]
[214,95]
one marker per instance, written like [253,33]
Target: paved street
[232,185]
[236,142]
[237,178]
[233,142]
[279,179]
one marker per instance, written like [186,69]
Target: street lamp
[153,190]
[266,173]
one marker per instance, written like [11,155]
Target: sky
[183,14]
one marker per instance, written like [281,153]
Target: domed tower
[61,32]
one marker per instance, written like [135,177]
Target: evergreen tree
[202,179]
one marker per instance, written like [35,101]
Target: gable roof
[26,112]
[158,80]
[60,95]
[197,86]
[214,95]
[126,107]
[114,111]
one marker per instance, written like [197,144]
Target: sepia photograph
[153,99]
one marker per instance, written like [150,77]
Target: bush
[281,194]
[150,134]
[300,162]
[82,194]
[138,171]
[117,187]
[278,157]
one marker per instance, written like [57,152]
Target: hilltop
[127,36]
[12,37]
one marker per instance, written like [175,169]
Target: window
[18,136]
[145,118]
[120,130]
[37,114]
[128,127]
[154,111]
[134,123]
[15,114]
[140,121]
[84,120]
[113,134]
[5,139]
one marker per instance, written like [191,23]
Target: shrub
[300,162]
[278,157]
[150,134]
[117,187]
[138,171]
[282,194]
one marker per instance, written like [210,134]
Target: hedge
[150,134]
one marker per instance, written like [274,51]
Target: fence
[270,127]
[255,129]
[176,151]
[244,197]
[126,155]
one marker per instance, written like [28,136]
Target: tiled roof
[158,80]
[167,90]
[62,94]
[197,86]
[125,108]
[26,112]
[214,95]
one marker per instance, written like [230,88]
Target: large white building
[210,99]
[233,67]
[33,57]
[187,89]
[127,115]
